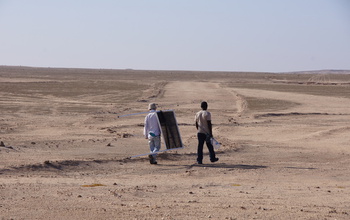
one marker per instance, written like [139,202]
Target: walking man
[152,132]
[205,132]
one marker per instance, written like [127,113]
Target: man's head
[204,105]
[152,106]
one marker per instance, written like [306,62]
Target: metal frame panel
[170,129]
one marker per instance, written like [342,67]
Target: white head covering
[152,106]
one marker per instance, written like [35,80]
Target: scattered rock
[192,201]
[126,135]
[3,145]
[142,100]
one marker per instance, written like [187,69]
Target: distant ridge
[322,72]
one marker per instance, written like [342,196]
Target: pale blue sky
[213,35]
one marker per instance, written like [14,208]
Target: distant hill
[323,72]
[92,70]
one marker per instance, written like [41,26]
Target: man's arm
[210,128]
[145,129]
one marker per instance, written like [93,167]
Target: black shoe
[214,160]
[151,160]
[199,162]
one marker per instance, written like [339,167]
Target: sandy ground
[66,155]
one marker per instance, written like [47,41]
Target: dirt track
[287,159]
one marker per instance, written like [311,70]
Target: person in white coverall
[152,132]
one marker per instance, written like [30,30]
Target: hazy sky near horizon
[208,35]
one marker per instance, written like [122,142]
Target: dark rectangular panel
[170,129]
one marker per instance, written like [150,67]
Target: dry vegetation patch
[321,90]
[66,96]
[262,105]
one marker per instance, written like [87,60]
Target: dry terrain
[65,153]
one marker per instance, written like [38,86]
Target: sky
[204,35]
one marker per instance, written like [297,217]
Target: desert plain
[65,153]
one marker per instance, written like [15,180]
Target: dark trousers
[201,139]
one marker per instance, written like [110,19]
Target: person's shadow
[229,166]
